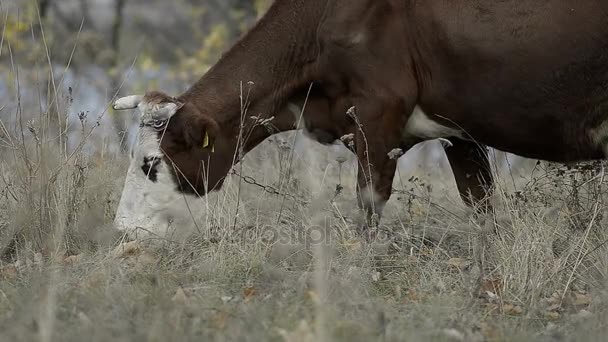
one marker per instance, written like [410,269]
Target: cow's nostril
[150,167]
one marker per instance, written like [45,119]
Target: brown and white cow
[524,76]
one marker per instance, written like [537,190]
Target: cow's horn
[127,102]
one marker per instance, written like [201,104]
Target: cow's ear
[177,103]
[165,110]
[200,131]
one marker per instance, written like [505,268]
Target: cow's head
[178,150]
[178,135]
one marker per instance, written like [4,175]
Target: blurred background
[79,53]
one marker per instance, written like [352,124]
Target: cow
[522,76]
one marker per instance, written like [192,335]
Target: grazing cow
[524,76]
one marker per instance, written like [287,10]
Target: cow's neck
[272,62]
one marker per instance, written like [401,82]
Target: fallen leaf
[314,297]
[513,310]
[219,319]
[552,315]
[72,260]
[353,245]
[8,272]
[425,251]
[581,300]
[459,263]
[412,259]
[493,285]
[490,296]
[411,296]
[249,292]
[126,249]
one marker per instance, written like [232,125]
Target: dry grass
[254,268]
[441,276]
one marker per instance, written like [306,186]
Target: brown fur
[524,76]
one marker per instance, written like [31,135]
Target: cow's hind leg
[377,132]
[471,168]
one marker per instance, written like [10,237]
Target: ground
[289,268]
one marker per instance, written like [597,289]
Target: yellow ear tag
[206,140]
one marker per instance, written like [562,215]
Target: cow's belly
[540,135]
[421,126]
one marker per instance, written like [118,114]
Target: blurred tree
[86,16]
[245,14]
[217,27]
[70,22]
[119,122]
[246,5]
[183,38]
[43,7]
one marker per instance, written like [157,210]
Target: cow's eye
[159,124]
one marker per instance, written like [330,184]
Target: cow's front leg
[377,132]
[374,185]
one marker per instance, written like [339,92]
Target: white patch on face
[421,126]
[147,208]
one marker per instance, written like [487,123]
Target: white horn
[127,102]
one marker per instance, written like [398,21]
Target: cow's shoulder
[360,23]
